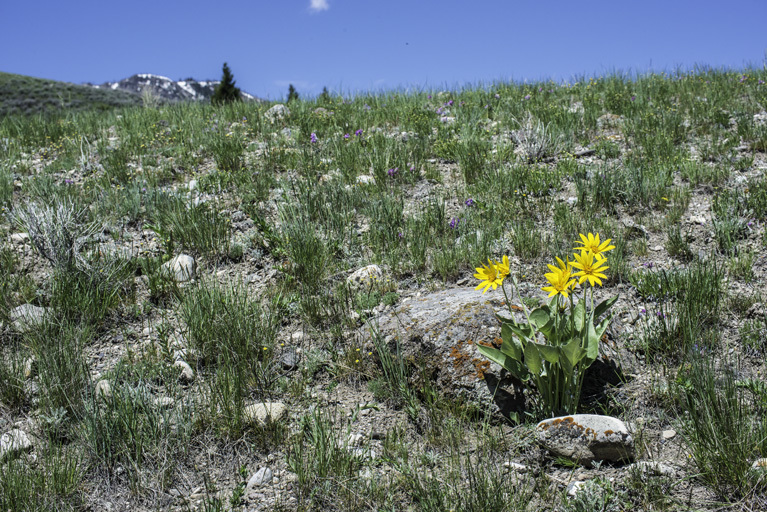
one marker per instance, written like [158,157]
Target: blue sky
[363,45]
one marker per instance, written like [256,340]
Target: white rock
[19,238]
[516,466]
[365,276]
[192,185]
[668,434]
[261,477]
[277,113]
[365,179]
[103,389]
[187,374]
[585,438]
[13,442]
[181,268]
[653,468]
[262,412]
[26,317]
[573,488]
[698,219]
[163,402]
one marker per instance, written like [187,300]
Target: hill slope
[24,95]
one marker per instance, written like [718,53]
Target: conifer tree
[292,94]
[226,91]
[324,96]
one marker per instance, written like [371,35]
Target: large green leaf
[579,315]
[604,306]
[541,316]
[573,351]
[592,342]
[516,368]
[511,346]
[533,359]
[550,353]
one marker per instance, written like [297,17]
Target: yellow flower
[591,243]
[488,274]
[560,279]
[592,267]
[502,267]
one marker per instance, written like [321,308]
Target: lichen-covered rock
[586,438]
[441,330]
[365,277]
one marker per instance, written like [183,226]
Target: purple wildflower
[313,137]
[527,96]
[449,103]
[393,172]
[429,96]
[633,98]
[346,135]
[440,110]
[454,223]
[469,202]
[497,96]
[358,133]
[366,107]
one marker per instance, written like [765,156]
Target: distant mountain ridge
[168,90]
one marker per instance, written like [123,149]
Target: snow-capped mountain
[166,89]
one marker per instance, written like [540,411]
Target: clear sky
[368,45]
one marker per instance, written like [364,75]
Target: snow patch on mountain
[168,90]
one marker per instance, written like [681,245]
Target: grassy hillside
[25,95]
[385,409]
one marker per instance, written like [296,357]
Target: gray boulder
[586,438]
[277,113]
[26,317]
[441,330]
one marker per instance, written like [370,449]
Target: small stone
[573,488]
[13,443]
[669,434]
[192,185]
[103,389]
[289,359]
[26,317]
[365,276]
[653,468]
[656,248]
[163,402]
[356,440]
[364,179]
[29,367]
[261,477]
[182,268]
[297,336]
[187,374]
[262,412]
[516,467]
[698,219]
[19,238]
[572,201]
